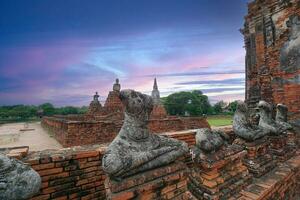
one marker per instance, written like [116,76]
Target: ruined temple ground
[34,136]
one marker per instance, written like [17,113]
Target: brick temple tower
[272,42]
[159,110]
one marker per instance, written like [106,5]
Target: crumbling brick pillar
[258,159]
[167,182]
[280,147]
[219,175]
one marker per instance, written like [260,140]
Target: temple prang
[272,42]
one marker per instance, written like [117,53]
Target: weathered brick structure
[272,42]
[219,175]
[166,182]
[101,124]
[76,173]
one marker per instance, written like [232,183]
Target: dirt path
[36,139]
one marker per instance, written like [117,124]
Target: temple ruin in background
[272,42]
[102,123]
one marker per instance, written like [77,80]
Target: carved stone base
[219,175]
[168,182]
[258,160]
[280,149]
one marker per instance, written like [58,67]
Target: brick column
[219,175]
[167,182]
[258,160]
[280,148]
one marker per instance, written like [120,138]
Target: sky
[62,51]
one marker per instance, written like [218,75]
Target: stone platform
[219,175]
[168,182]
[258,160]
[280,148]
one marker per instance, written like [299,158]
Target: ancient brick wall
[177,124]
[272,42]
[69,173]
[74,133]
[76,173]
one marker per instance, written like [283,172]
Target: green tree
[232,106]
[48,109]
[218,107]
[193,103]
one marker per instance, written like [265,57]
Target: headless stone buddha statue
[135,149]
[281,116]
[117,86]
[243,127]
[17,180]
[266,121]
[210,140]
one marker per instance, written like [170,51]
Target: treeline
[23,112]
[195,103]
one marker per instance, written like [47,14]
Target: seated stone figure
[242,126]
[17,180]
[281,117]
[210,141]
[266,122]
[135,149]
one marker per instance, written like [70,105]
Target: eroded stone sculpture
[290,52]
[209,140]
[281,116]
[242,125]
[17,180]
[266,121]
[117,86]
[135,149]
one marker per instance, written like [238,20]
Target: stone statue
[210,141]
[96,97]
[281,116]
[243,127]
[117,86]
[135,149]
[17,180]
[266,122]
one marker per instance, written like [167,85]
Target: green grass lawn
[219,120]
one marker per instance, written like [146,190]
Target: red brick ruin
[102,123]
[272,53]
[237,170]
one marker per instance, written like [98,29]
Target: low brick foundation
[76,173]
[167,182]
[74,133]
[72,173]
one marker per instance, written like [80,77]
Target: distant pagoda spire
[155,93]
[155,85]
